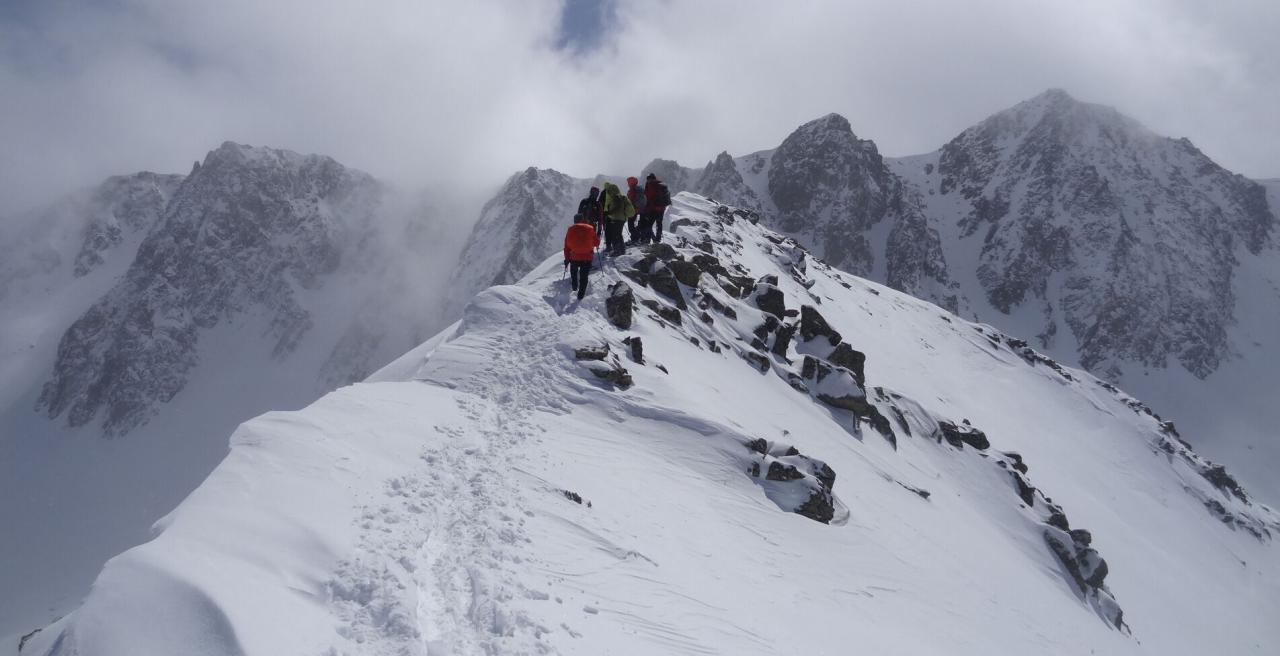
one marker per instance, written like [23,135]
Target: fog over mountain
[93,89]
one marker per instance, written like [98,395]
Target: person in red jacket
[580,243]
[657,198]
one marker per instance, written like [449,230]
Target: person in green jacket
[617,210]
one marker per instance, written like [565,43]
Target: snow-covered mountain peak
[725,421]
[677,178]
[821,161]
[833,122]
[1077,196]
[238,154]
[1065,117]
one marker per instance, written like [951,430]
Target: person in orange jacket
[580,243]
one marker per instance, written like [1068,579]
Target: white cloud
[463,93]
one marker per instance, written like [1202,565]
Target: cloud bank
[460,94]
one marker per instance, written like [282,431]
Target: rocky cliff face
[249,230]
[1134,236]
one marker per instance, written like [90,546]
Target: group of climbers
[606,210]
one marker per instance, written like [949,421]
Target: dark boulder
[902,420]
[812,368]
[664,282]
[1025,490]
[855,361]
[1218,476]
[759,361]
[1018,464]
[782,340]
[591,352]
[663,251]
[814,325]
[615,375]
[708,264]
[637,349]
[782,472]
[821,471]
[820,507]
[686,273]
[1085,567]
[671,314]
[762,331]
[645,264]
[736,286]
[711,301]
[958,435]
[618,304]
[770,299]
[922,493]
[679,223]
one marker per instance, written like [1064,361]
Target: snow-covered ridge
[1062,222]
[641,473]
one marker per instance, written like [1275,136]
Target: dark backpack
[664,194]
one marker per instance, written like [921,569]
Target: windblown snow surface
[491,493]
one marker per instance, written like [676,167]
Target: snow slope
[499,490]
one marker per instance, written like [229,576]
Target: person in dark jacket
[590,209]
[580,242]
[657,198]
[636,195]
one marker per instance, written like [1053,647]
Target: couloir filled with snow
[526,482]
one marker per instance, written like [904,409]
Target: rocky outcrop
[796,482]
[722,181]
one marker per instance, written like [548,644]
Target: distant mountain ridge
[164,310]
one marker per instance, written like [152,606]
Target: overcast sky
[463,93]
